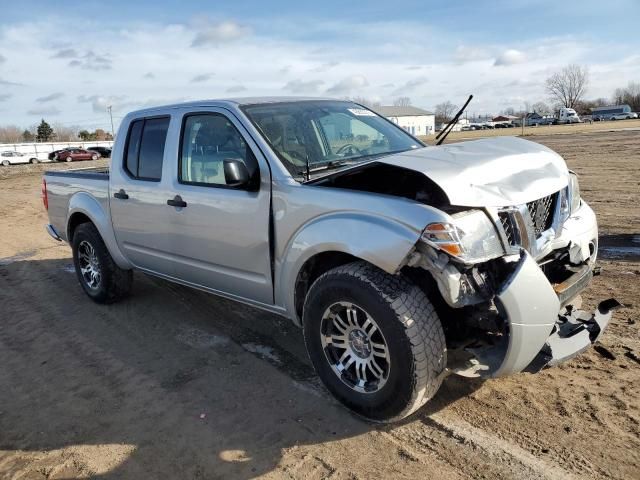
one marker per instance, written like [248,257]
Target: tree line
[44,132]
[565,88]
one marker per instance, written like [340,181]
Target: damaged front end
[518,311]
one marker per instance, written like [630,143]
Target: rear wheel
[6,163]
[94,157]
[33,160]
[375,341]
[101,279]
[69,159]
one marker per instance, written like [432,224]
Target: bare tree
[568,86]
[10,134]
[402,102]
[445,111]
[629,95]
[541,108]
[64,133]
[365,101]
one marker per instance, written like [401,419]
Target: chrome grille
[541,212]
[509,228]
[525,224]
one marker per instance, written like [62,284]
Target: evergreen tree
[45,132]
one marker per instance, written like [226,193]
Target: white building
[414,120]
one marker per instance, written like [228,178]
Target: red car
[72,154]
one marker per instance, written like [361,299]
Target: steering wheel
[348,146]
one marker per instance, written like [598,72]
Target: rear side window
[145,148]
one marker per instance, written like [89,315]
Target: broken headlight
[470,237]
[570,198]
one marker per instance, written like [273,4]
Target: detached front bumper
[541,332]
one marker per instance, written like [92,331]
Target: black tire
[33,161]
[411,329]
[115,283]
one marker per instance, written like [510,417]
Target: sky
[66,61]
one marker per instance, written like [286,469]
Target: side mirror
[236,173]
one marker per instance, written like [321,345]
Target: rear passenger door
[138,196]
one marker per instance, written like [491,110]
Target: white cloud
[50,98]
[3,59]
[324,67]
[151,63]
[219,33]
[348,85]
[466,53]
[301,86]
[99,103]
[66,53]
[410,85]
[236,89]
[5,96]
[203,77]
[92,61]
[48,111]
[509,57]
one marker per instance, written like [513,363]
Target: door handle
[121,194]
[177,202]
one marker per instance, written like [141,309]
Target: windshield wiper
[446,130]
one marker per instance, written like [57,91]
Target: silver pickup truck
[402,262]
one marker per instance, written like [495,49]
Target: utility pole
[113,134]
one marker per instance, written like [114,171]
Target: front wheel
[94,157]
[6,163]
[33,161]
[101,279]
[69,159]
[375,341]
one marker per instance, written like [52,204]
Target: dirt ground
[174,383]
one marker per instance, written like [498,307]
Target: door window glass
[207,141]
[145,148]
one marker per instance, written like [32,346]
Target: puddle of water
[200,339]
[263,351]
[619,252]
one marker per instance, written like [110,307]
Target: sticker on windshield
[362,112]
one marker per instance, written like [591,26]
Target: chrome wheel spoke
[379,349]
[339,323]
[375,368]
[352,317]
[339,340]
[355,347]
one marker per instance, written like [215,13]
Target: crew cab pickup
[402,262]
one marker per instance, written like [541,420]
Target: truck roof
[230,101]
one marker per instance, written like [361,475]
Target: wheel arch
[85,208]
[334,240]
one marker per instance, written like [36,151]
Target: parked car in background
[105,152]
[624,116]
[73,154]
[10,157]
[53,156]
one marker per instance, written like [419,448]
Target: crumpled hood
[491,172]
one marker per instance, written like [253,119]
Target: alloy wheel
[89,265]
[355,347]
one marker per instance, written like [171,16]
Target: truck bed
[62,185]
[94,173]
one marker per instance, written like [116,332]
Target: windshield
[326,134]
